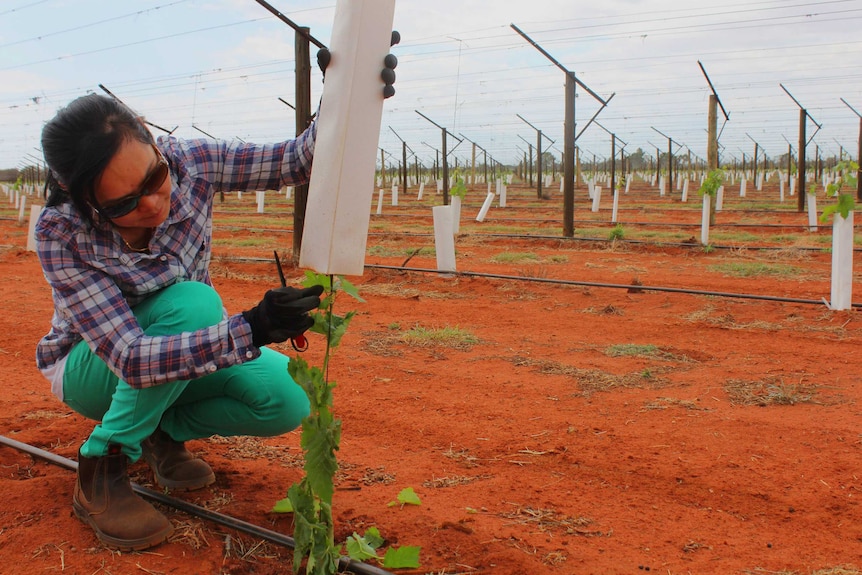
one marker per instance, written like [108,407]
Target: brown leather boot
[173,465]
[104,499]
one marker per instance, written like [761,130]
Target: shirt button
[212,368]
[249,354]
[163,258]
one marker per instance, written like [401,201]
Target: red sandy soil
[733,445]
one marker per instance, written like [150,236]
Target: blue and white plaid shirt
[95,282]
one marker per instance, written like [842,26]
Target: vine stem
[329,327]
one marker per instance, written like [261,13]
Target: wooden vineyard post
[712,134]
[539,170]
[800,175]
[858,153]
[670,143]
[800,170]
[571,80]
[569,175]
[445,155]
[303,116]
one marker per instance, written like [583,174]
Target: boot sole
[121,544]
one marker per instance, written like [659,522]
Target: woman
[140,340]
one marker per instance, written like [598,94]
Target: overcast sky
[222,65]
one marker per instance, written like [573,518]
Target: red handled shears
[300,342]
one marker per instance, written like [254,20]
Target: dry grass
[662,403]
[648,351]
[190,533]
[773,390]
[593,380]
[462,456]
[247,447]
[453,481]
[728,321]
[451,337]
[247,549]
[45,414]
[376,476]
[384,344]
[549,520]
[400,290]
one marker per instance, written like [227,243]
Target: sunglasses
[150,185]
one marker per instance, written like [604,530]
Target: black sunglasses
[151,184]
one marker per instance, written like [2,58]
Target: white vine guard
[348,130]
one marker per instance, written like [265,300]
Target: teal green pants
[255,398]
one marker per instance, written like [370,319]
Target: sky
[222,67]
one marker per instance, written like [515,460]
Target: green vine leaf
[283,506]
[332,326]
[406,497]
[320,439]
[846,202]
[312,532]
[359,549]
[402,558]
[711,183]
[459,188]
[373,538]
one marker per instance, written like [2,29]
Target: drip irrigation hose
[576,283]
[345,564]
[607,285]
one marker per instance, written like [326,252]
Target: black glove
[324,56]
[282,314]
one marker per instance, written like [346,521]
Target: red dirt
[534,450]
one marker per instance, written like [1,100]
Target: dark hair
[79,142]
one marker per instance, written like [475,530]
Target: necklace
[144,249]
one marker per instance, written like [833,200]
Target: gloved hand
[282,314]
[324,56]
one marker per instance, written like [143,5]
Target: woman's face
[134,190]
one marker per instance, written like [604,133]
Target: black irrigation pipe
[633,287]
[345,564]
[605,285]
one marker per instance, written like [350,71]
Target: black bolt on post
[571,136]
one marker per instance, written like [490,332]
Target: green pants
[255,398]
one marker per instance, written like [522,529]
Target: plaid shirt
[95,282]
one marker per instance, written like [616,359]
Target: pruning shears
[299,343]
